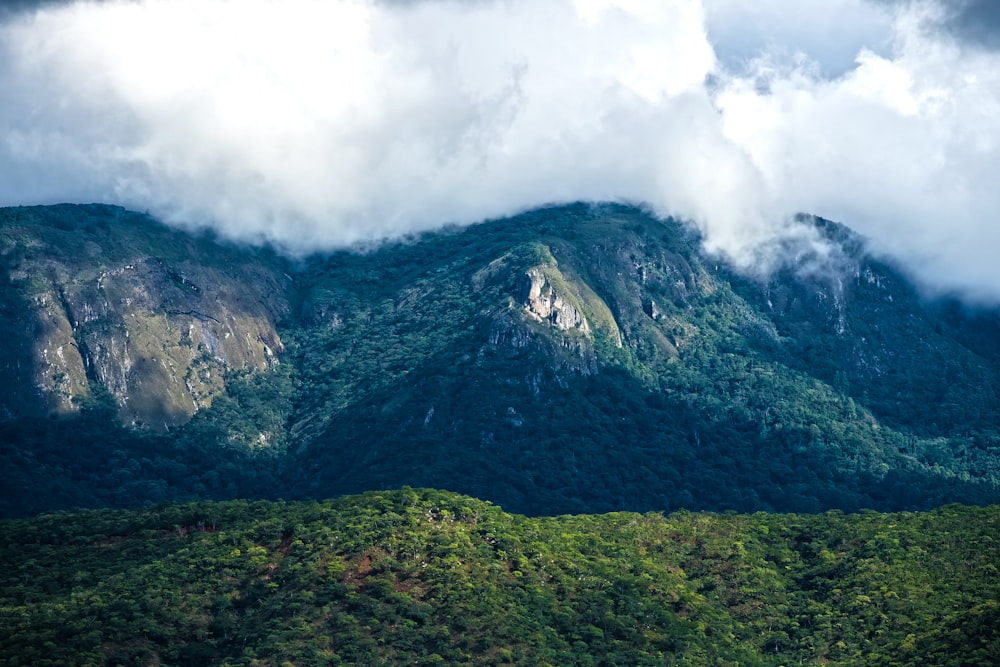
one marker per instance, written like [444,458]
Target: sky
[316,124]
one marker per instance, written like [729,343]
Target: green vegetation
[424,577]
[713,400]
[572,360]
[826,384]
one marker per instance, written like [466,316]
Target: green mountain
[98,300]
[573,359]
[426,577]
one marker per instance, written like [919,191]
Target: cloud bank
[314,124]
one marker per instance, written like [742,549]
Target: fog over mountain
[315,124]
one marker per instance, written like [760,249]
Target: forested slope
[581,358]
[592,358]
[425,577]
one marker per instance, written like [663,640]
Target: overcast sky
[318,123]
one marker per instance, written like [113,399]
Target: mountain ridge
[570,359]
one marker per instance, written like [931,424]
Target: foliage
[714,399]
[420,576]
[823,384]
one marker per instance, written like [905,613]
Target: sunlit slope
[97,299]
[571,359]
[423,577]
[592,358]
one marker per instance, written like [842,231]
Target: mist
[317,124]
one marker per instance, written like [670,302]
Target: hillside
[592,359]
[100,297]
[573,359]
[425,577]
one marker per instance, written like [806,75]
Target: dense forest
[583,358]
[587,367]
[426,577]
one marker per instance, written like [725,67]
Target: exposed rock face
[158,334]
[161,343]
[507,337]
[545,304]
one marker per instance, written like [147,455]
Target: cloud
[977,20]
[21,6]
[974,22]
[314,124]
[903,147]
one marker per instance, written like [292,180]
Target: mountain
[582,358]
[424,577]
[99,299]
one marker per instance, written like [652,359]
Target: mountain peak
[570,359]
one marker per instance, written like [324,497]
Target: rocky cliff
[97,299]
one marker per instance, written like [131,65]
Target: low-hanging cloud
[904,147]
[314,124]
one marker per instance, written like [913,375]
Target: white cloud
[903,148]
[317,123]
